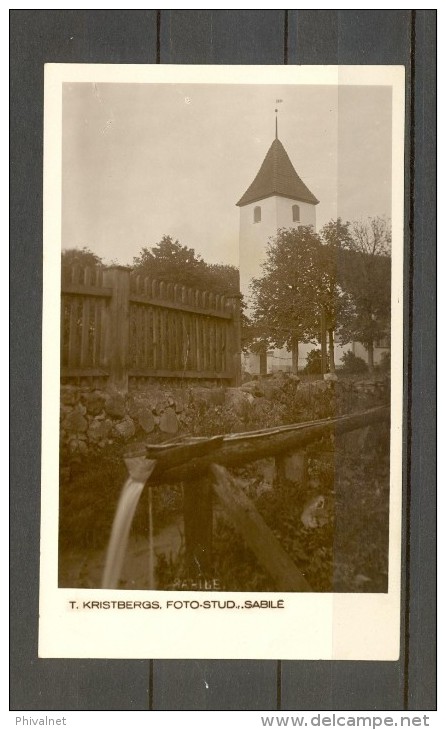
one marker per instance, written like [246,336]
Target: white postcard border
[310,626]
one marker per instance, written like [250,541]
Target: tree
[365,276]
[334,301]
[223,276]
[299,294]
[79,256]
[171,261]
[286,310]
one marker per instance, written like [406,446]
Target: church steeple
[277,176]
[276,199]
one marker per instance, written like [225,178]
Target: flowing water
[140,470]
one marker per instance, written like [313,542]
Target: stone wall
[91,419]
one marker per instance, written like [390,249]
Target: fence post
[118,277]
[236,339]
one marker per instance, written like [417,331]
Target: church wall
[360,351]
[285,213]
[251,363]
[276,212]
[254,237]
[280,359]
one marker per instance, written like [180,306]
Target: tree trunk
[370,356]
[331,350]
[295,355]
[323,344]
[263,362]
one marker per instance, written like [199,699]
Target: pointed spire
[277,176]
[277,136]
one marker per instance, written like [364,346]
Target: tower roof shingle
[277,176]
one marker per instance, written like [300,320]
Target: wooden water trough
[201,464]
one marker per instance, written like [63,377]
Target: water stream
[140,470]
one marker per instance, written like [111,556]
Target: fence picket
[145,335]
[105,328]
[218,366]
[163,340]
[191,363]
[85,322]
[73,349]
[155,330]
[97,333]
[170,340]
[135,329]
[197,353]
[204,343]
[75,269]
[211,329]
[178,338]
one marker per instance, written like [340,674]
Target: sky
[140,161]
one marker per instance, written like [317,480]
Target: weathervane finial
[278,101]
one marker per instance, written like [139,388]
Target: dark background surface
[406,37]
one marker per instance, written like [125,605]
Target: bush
[314,362]
[353,364]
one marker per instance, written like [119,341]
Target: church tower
[277,198]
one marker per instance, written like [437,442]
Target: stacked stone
[92,419]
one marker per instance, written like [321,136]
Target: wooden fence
[118,328]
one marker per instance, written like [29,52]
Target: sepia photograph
[224,332]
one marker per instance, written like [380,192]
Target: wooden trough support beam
[241,448]
[197,503]
[256,532]
[293,467]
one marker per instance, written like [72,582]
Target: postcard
[222,423]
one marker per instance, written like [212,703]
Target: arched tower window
[296,213]
[257,214]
